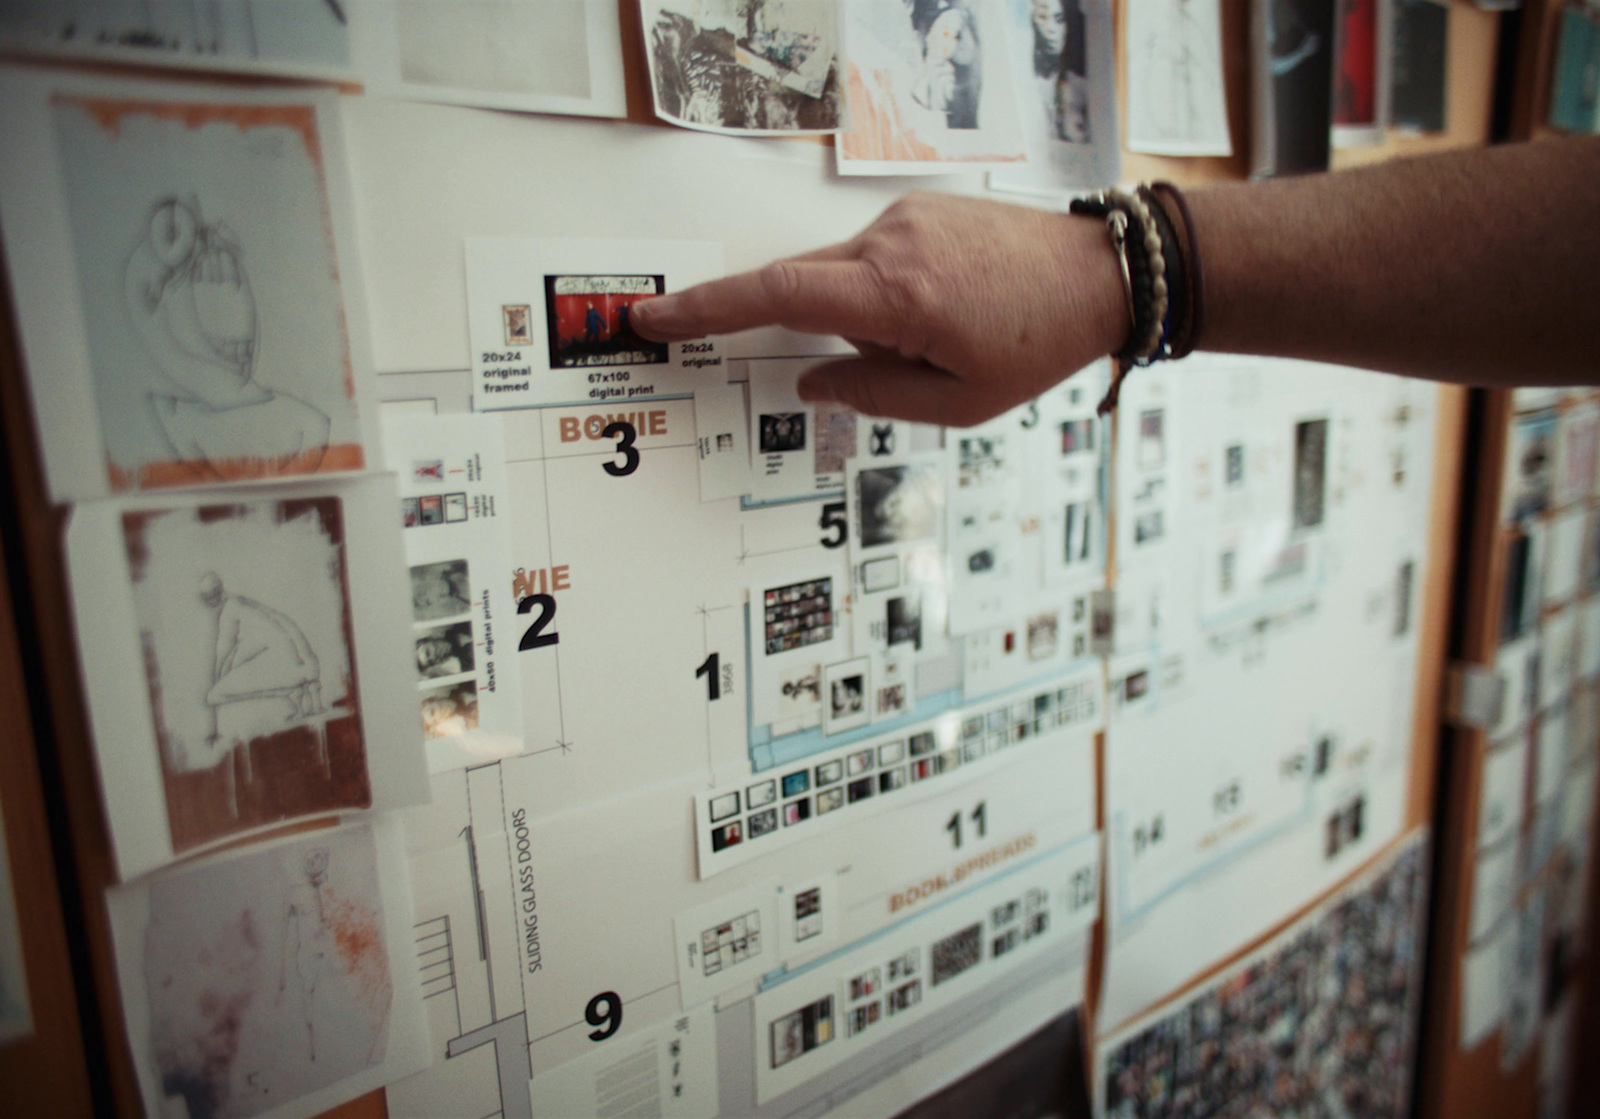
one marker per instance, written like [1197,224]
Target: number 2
[624,433]
[605,1011]
[536,637]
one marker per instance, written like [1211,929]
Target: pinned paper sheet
[769,68]
[452,476]
[250,662]
[549,320]
[723,441]
[542,56]
[304,946]
[1176,93]
[126,207]
[930,90]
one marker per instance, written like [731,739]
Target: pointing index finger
[816,296]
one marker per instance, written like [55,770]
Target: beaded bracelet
[1160,272]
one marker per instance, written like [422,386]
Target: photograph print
[929,84]
[215,321]
[440,590]
[896,504]
[445,650]
[266,977]
[783,432]
[746,65]
[587,320]
[244,620]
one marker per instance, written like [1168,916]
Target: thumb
[894,388]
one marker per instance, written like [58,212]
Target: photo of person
[1060,68]
[447,712]
[445,651]
[951,81]
[440,590]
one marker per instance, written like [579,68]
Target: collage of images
[891,987]
[1321,1022]
[441,608]
[733,817]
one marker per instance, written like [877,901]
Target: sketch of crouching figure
[260,654]
[952,60]
[187,292]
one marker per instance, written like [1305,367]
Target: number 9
[605,1011]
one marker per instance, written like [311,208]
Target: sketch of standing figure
[189,296]
[260,653]
[952,60]
[307,944]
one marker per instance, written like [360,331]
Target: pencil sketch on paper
[1175,91]
[209,284]
[747,65]
[243,613]
[258,32]
[267,977]
[189,297]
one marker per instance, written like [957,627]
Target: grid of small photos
[894,986]
[732,942]
[428,509]
[864,775]
[445,650]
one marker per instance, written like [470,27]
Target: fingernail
[658,309]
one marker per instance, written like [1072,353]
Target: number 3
[624,433]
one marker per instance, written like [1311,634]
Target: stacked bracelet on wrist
[1160,270]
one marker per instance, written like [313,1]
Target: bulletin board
[429,180]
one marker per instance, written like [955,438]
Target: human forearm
[1475,266]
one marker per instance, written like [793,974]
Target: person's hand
[961,308]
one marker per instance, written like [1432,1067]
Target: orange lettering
[558,577]
[569,429]
[658,423]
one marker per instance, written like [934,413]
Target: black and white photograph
[1310,472]
[445,651]
[440,590]
[903,618]
[783,432]
[897,504]
[846,687]
[746,66]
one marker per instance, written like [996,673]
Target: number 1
[709,668]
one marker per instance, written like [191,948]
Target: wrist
[1097,306]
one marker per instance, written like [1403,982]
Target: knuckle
[780,281]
